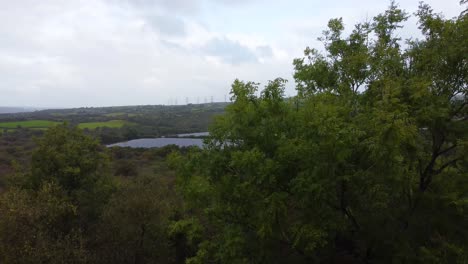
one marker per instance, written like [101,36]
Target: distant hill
[8,109]
[118,123]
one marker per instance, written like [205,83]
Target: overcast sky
[56,53]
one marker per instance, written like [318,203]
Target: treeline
[15,148]
[140,121]
[367,164]
[69,208]
[157,125]
[98,114]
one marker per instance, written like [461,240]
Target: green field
[28,124]
[110,124]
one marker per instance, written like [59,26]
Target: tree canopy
[367,164]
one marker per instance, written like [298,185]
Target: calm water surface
[182,140]
[198,134]
[159,142]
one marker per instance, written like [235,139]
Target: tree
[366,164]
[69,157]
[50,213]
[34,229]
[135,222]
[78,164]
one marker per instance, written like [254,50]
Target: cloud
[229,51]
[236,2]
[56,53]
[185,7]
[173,6]
[167,25]
[64,54]
[264,51]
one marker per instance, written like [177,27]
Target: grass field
[110,124]
[28,124]
[44,124]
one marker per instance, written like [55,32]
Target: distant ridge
[11,110]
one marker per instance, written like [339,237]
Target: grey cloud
[234,2]
[229,51]
[183,6]
[173,46]
[167,25]
[66,53]
[175,6]
[264,51]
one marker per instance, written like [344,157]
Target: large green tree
[367,164]
[135,222]
[68,157]
[78,164]
[50,212]
[35,227]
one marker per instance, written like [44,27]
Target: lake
[159,142]
[198,134]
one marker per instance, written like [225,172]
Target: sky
[83,53]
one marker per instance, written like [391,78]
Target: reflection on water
[199,134]
[159,142]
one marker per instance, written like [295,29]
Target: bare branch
[445,166]
[447,149]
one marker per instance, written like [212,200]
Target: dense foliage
[367,164]
[67,208]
